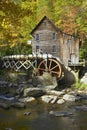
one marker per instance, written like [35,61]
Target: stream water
[40,119]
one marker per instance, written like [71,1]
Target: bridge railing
[18,62]
[81,62]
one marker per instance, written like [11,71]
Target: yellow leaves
[5,24]
[58,22]
[27,5]
[2,13]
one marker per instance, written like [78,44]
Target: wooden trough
[39,63]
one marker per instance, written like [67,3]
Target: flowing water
[40,119]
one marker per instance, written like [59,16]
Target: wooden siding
[66,45]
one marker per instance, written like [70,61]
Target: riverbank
[30,101]
[17,93]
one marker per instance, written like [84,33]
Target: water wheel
[50,65]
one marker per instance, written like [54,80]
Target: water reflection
[40,119]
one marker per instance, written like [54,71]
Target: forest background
[19,17]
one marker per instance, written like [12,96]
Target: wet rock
[8,129]
[54,92]
[82,107]
[3,83]
[49,98]
[60,113]
[27,113]
[83,96]
[84,79]
[4,105]
[68,97]
[27,99]
[68,78]
[7,98]
[18,105]
[60,101]
[33,92]
[45,81]
[3,89]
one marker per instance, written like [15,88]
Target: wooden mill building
[50,39]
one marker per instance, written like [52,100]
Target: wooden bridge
[39,63]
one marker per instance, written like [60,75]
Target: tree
[17,20]
[71,16]
[44,8]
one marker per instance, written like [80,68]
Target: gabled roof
[45,17]
[54,26]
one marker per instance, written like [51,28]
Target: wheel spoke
[41,69]
[55,72]
[50,64]
[54,67]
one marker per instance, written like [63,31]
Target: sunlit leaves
[72,14]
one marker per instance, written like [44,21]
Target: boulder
[60,101]
[18,105]
[69,97]
[27,99]
[45,81]
[33,92]
[68,79]
[54,92]
[4,105]
[84,79]
[7,98]
[49,98]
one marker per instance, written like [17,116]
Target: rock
[36,80]
[49,81]
[33,92]
[4,105]
[60,113]
[19,91]
[27,99]
[7,98]
[27,113]
[68,97]
[82,107]
[4,89]
[3,83]
[49,98]
[84,79]
[8,129]
[18,105]
[54,92]
[60,101]
[68,79]
[45,81]
[83,96]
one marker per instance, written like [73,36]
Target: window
[37,48]
[53,48]
[37,36]
[54,35]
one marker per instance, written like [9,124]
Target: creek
[40,119]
